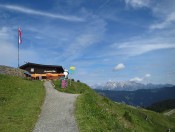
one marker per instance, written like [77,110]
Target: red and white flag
[19,36]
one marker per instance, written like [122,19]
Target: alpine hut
[39,71]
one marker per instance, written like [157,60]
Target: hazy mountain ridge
[163,105]
[129,86]
[140,97]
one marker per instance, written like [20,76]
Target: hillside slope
[11,71]
[99,114]
[20,102]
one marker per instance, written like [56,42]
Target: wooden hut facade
[39,71]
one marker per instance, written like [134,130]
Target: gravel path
[57,113]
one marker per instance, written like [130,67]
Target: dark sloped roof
[39,65]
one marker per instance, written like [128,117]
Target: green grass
[75,88]
[95,113]
[20,102]
[173,115]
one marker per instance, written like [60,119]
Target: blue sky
[116,40]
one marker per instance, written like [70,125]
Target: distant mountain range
[140,97]
[129,86]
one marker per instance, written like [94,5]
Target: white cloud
[165,23]
[40,13]
[89,36]
[136,79]
[8,54]
[163,11]
[9,50]
[137,3]
[119,67]
[139,79]
[138,47]
[147,75]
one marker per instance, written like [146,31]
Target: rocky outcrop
[11,71]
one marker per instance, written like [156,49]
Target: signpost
[71,71]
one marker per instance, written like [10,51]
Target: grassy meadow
[20,102]
[95,113]
[75,88]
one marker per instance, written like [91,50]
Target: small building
[39,71]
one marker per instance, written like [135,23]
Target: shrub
[127,116]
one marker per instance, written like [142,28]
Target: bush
[127,116]
[78,80]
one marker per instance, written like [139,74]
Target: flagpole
[70,81]
[18,48]
[19,41]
